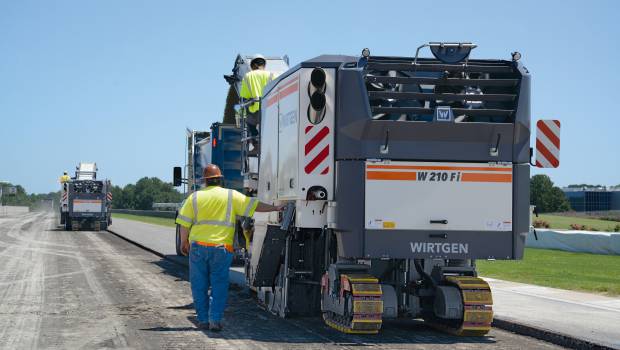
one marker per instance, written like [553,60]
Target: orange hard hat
[211,171]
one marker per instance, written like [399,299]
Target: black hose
[425,276]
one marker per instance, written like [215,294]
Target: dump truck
[202,149]
[220,145]
[85,201]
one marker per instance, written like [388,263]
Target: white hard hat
[258,57]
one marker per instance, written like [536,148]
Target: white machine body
[438,196]
[297,155]
[86,171]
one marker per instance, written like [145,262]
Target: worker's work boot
[255,151]
[203,325]
[215,326]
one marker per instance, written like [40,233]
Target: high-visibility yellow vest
[210,214]
[253,84]
[65,178]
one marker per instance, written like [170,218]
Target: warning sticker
[498,225]
[381,224]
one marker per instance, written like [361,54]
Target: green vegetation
[148,219]
[564,222]
[559,269]
[144,193]
[546,197]
[21,198]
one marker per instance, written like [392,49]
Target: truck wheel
[67,224]
[103,226]
[62,218]
[178,241]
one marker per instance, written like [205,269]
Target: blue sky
[117,82]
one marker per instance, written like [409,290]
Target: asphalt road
[71,290]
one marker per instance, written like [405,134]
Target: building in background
[589,199]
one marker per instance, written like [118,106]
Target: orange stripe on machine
[391,175]
[80,201]
[439,168]
[282,92]
[437,176]
[474,177]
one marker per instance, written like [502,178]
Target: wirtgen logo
[444,114]
[441,248]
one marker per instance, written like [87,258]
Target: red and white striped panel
[548,143]
[64,196]
[109,196]
[316,150]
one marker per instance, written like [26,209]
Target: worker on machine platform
[207,221]
[252,88]
[65,178]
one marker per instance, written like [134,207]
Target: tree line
[144,193]
[23,199]
[545,196]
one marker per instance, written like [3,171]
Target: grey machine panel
[418,244]
[350,198]
[86,196]
[270,257]
[521,149]
[361,137]
[521,208]
[355,241]
[497,132]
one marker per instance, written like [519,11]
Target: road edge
[179,261]
[546,335]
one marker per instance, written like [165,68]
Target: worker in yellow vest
[252,87]
[65,178]
[207,220]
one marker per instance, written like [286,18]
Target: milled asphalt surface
[94,290]
[570,318]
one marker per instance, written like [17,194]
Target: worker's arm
[184,240]
[246,206]
[264,207]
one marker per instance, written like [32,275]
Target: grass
[559,269]
[564,222]
[148,219]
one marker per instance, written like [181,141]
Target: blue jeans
[208,267]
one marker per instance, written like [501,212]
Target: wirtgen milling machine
[399,173]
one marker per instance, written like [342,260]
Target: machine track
[477,308]
[363,305]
